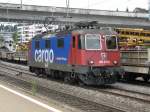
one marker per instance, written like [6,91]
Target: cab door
[74,50]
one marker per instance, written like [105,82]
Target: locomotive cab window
[60,43]
[111,42]
[92,42]
[81,40]
[37,44]
[47,44]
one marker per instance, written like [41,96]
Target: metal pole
[88,4]
[88,10]
[149,10]
[7,14]
[67,6]
[53,10]
[21,3]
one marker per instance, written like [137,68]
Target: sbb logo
[44,55]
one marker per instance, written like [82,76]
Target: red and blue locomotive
[88,56]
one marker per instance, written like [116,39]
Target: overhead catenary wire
[102,2]
[97,3]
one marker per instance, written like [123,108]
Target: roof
[75,31]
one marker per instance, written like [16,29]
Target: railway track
[109,90]
[73,101]
[77,103]
[136,82]
[141,97]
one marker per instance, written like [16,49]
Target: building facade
[4,36]
[27,32]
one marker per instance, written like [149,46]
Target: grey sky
[92,4]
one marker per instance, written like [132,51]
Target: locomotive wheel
[31,69]
[81,83]
[37,72]
[68,79]
[146,78]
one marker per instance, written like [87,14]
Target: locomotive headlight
[115,62]
[91,62]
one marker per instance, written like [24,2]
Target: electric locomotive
[87,56]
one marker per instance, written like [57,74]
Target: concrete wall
[13,12]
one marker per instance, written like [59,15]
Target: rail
[133,96]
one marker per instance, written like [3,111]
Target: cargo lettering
[44,55]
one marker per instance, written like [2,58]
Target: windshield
[111,42]
[92,42]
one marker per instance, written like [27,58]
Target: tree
[15,37]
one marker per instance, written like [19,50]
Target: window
[37,44]
[60,43]
[143,34]
[132,33]
[111,42]
[81,42]
[148,34]
[26,35]
[127,33]
[118,32]
[73,41]
[92,42]
[123,32]
[136,33]
[47,44]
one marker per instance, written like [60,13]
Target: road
[13,101]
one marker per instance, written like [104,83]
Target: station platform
[14,101]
